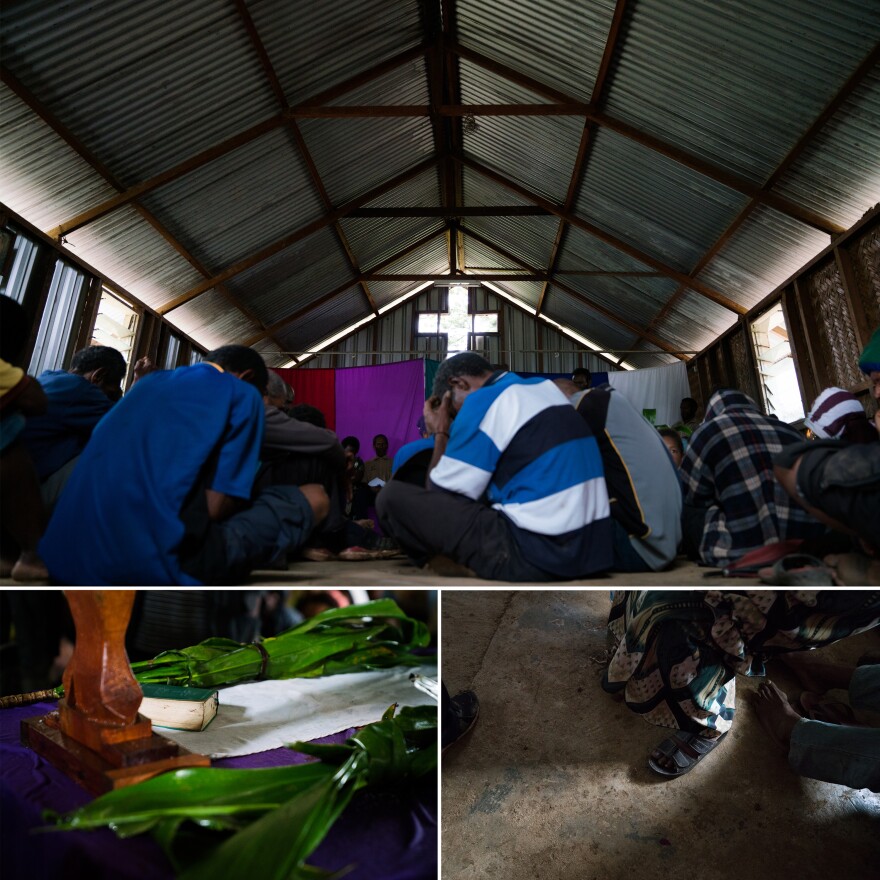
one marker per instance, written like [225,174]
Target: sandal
[686,751]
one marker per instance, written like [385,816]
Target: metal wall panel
[313,46]
[654,204]
[41,177]
[766,249]
[838,174]
[126,248]
[241,202]
[144,85]
[558,42]
[293,278]
[736,83]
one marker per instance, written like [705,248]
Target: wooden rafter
[596,307]
[300,142]
[301,233]
[732,181]
[816,126]
[602,235]
[86,155]
[585,147]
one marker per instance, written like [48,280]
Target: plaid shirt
[728,468]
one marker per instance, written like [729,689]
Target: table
[387,835]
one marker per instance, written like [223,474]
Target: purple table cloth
[384,835]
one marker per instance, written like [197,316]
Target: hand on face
[439,413]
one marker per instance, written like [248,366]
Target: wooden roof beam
[596,307]
[602,235]
[586,142]
[301,233]
[701,166]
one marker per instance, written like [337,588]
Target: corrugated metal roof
[479,256]
[838,174]
[271,353]
[737,83]
[559,42]
[144,85]
[636,298]
[41,178]
[764,251]
[241,202]
[355,155]
[530,238]
[209,319]
[652,203]
[127,249]
[652,356]
[313,46]
[582,251]
[480,192]
[293,278]
[694,322]
[526,292]
[571,312]
[324,320]
[429,259]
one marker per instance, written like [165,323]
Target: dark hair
[353,442]
[383,436]
[673,435]
[239,359]
[693,402]
[13,329]
[97,356]
[304,412]
[581,371]
[467,363]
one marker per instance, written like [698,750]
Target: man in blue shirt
[78,399]
[160,495]
[515,487]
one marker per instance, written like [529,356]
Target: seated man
[160,493]
[690,421]
[378,468]
[732,501]
[515,489]
[582,378]
[642,483]
[78,399]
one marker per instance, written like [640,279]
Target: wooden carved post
[102,696]
[97,736]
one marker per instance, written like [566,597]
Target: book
[179,708]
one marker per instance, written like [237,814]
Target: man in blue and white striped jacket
[515,488]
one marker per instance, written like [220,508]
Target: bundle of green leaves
[265,823]
[375,635]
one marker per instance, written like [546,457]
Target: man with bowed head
[515,487]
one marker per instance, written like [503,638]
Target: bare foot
[814,674]
[775,713]
[29,568]
[855,569]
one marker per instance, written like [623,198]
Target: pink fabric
[387,400]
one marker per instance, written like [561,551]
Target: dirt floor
[399,572]
[553,781]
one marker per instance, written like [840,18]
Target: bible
[179,708]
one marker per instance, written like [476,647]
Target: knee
[318,500]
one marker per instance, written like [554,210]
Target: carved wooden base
[118,764]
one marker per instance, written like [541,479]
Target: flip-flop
[818,707]
[686,751]
[798,570]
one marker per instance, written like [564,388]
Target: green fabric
[870,359]
[431,368]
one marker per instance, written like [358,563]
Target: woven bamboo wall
[865,258]
[839,349]
[744,376]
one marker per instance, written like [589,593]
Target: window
[115,325]
[61,317]
[461,327]
[779,384]
[21,264]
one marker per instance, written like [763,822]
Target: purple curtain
[387,400]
